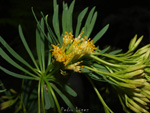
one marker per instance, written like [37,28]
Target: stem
[105,73]
[39,106]
[48,68]
[95,70]
[42,96]
[109,56]
[54,96]
[117,58]
[104,62]
[23,106]
[22,103]
[106,108]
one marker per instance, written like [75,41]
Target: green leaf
[2,90]
[88,21]
[70,91]
[65,99]
[105,50]
[91,26]
[7,104]
[69,17]
[49,102]
[64,18]
[95,77]
[49,59]
[51,37]
[56,20]
[147,78]
[100,33]
[29,95]
[42,96]
[9,60]
[85,70]
[38,23]
[79,21]
[97,49]
[40,46]
[67,88]
[27,47]
[115,52]
[53,95]
[39,96]
[13,53]
[106,79]
[100,67]
[50,40]
[15,74]
[123,104]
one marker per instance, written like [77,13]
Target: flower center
[72,50]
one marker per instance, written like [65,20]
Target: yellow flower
[72,50]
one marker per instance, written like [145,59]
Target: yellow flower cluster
[72,50]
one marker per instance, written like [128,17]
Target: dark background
[126,18]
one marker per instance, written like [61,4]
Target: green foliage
[43,72]
[100,34]
[39,72]
[44,79]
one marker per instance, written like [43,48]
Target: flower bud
[147,70]
[137,42]
[139,100]
[145,100]
[143,49]
[133,108]
[132,86]
[145,94]
[137,67]
[146,91]
[133,74]
[147,54]
[137,82]
[139,95]
[134,104]
[132,42]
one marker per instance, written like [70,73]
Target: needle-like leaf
[100,34]
[27,47]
